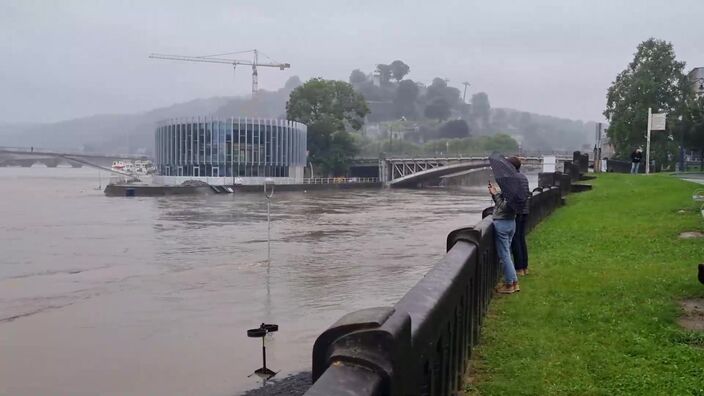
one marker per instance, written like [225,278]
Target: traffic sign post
[656,122]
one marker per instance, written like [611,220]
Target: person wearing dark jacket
[519,249]
[504,227]
[636,156]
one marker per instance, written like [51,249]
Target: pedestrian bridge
[412,172]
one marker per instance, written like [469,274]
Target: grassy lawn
[597,314]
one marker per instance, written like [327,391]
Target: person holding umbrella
[509,201]
[519,248]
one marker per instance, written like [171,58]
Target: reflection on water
[153,296]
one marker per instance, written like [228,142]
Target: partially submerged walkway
[598,313]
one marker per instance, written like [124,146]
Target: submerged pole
[268,194]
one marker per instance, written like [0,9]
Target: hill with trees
[409,114]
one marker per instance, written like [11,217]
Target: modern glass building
[233,150]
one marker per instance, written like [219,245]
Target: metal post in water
[268,195]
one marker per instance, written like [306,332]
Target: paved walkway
[692,177]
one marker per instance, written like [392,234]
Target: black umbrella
[509,181]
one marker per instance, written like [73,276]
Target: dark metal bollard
[547,179]
[572,170]
[564,182]
[581,161]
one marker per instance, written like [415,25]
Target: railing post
[369,346]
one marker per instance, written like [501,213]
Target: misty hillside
[134,133]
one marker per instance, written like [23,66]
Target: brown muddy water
[153,295]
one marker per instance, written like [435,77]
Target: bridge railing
[340,180]
[422,344]
[40,151]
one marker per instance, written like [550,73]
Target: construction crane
[234,62]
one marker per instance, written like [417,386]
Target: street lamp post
[464,95]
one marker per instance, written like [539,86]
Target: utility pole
[464,95]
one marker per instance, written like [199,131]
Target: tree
[384,73]
[691,128]
[454,129]
[357,77]
[500,142]
[438,109]
[653,79]
[481,110]
[292,83]
[436,89]
[439,89]
[328,108]
[499,122]
[399,70]
[405,100]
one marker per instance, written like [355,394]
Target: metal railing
[44,151]
[340,180]
[422,344]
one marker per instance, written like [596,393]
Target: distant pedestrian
[504,228]
[636,156]
[31,149]
[519,248]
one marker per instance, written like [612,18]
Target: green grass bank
[597,313]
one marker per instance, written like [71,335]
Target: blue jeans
[634,167]
[503,233]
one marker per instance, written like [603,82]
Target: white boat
[118,165]
[137,167]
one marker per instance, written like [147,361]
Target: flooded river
[153,296]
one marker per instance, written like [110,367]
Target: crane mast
[234,62]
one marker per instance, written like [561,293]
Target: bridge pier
[50,162]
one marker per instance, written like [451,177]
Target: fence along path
[421,345]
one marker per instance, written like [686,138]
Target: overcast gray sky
[68,59]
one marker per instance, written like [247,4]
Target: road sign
[658,121]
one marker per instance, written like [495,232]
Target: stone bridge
[26,157]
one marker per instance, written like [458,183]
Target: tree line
[408,117]
[655,79]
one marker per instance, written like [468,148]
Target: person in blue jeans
[519,248]
[636,157]
[504,228]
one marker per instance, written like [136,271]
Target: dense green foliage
[329,108]
[481,145]
[692,126]
[391,96]
[654,79]
[596,315]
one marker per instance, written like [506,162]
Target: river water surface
[153,295]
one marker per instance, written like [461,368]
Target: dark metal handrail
[421,345]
